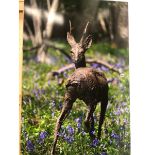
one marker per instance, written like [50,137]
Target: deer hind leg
[104,104]
[65,111]
[89,120]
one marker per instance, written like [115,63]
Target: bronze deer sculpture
[85,83]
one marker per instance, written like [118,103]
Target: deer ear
[70,39]
[87,42]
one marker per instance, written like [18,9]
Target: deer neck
[81,63]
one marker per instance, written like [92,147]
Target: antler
[84,33]
[70,38]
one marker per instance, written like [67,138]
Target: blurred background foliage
[46,51]
[49,20]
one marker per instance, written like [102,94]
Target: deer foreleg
[92,129]
[65,111]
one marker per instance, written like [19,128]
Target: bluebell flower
[94,65]
[70,130]
[61,134]
[115,136]
[118,65]
[42,91]
[43,135]
[39,91]
[29,145]
[69,139]
[118,112]
[103,68]
[92,132]
[124,104]
[95,142]
[103,153]
[78,125]
[35,92]
[79,122]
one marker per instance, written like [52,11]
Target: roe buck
[85,83]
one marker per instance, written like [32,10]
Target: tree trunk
[119,15]
[86,13]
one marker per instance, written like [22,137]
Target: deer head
[78,49]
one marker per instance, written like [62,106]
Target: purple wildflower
[103,68]
[95,142]
[103,153]
[29,145]
[70,130]
[92,132]
[118,112]
[39,91]
[43,135]
[115,136]
[78,121]
[78,125]
[69,139]
[42,91]
[118,65]
[124,104]
[35,92]
[94,65]
[62,133]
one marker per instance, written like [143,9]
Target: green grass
[43,100]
